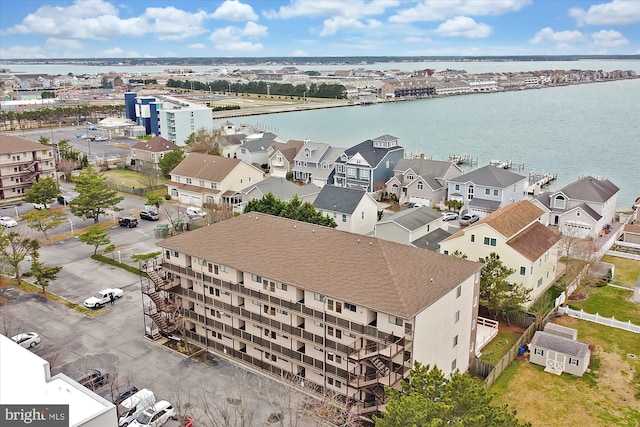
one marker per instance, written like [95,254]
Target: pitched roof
[423,166]
[156,144]
[534,241]
[372,155]
[288,149]
[382,275]
[431,241]
[414,218]
[259,144]
[590,189]
[560,344]
[339,199]
[207,167]
[282,189]
[13,144]
[490,176]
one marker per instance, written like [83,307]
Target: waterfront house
[368,165]
[202,178]
[581,208]
[281,157]
[279,188]
[147,154]
[487,189]
[23,162]
[353,209]
[315,163]
[524,243]
[422,181]
[558,350]
[419,227]
[254,148]
[343,313]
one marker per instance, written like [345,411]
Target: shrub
[167,196]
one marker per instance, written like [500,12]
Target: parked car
[155,416]
[94,379]
[120,393]
[63,199]
[133,406]
[27,340]
[128,222]
[149,215]
[193,212]
[468,219]
[41,206]
[80,135]
[101,138]
[103,297]
[448,216]
[8,222]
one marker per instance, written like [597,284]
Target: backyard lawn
[123,177]
[603,397]
[627,270]
[609,301]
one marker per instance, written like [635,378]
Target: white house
[353,209]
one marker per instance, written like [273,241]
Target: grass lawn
[123,177]
[627,270]
[501,344]
[602,397]
[609,301]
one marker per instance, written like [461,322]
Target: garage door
[185,199]
[278,173]
[421,201]
[196,201]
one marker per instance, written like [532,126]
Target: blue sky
[263,28]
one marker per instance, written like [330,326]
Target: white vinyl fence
[609,321]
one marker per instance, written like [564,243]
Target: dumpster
[161,231]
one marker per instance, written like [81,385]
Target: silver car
[468,219]
[27,340]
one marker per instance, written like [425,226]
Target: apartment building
[22,162]
[338,311]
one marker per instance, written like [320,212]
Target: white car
[193,212]
[101,138]
[8,222]
[41,206]
[155,416]
[103,297]
[448,216]
[27,340]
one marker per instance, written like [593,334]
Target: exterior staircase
[380,366]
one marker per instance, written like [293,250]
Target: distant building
[147,154]
[23,162]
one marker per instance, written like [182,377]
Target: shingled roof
[560,344]
[13,144]
[590,189]
[207,167]
[385,276]
[339,199]
[490,176]
[156,144]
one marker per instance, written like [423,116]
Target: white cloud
[341,23]
[561,38]
[334,8]
[416,39]
[617,12]
[299,52]
[54,43]
[175,24]
[463,26]
[233,10]
[439,10]
[196,46]
[231,38]
[21,52]
[610,38]
[118,52]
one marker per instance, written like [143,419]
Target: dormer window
[559,202]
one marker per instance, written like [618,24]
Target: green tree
[154,199]
[43,191]
[431,399]
[44,140]
[496,293]
[294,209]
[94,196]
[44,220]
[43,275]
[170,161]
[95,236]
[454,204]
[14,248]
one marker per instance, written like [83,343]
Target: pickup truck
[103,297]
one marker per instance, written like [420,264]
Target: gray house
[280,188]
[315,163]
[487,189]
[557,349]
[254,148]
[422,181]
[369,164]
[418,227]
[353,209]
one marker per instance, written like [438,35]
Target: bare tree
[149,176]
[176,216]
[206,141]
[8,324]
[66,166]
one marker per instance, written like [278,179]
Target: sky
[299,28]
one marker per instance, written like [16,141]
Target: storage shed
[559,354]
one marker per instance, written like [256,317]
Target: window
[214,185]
[338,333]
[216,270]
[224,268]
[344,217]
[470,193]
[174,192]
[201,183]
[539,282]
[495,193]
[338,307]
[538,352]
[457,187]
[330,304]
[188,180]
[489,241]
[281,286]
[255,278]
[578,212]
[364,174]
[395,320]
[350,307]
[458,291]
[473,238]
[175,253]
[453,365]
[362,215]
[446,252]
[455,341]
[318,297]
[559,202]
[420,185]
[487,192]
[351,172]
[573,361]
[330,381]
[456,317]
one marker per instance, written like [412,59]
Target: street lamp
[71,222]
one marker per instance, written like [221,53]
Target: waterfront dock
[538,181]
[462,159]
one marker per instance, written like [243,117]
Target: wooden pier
[506,164]
[538,181]
[462,159]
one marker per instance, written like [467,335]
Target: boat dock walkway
[538,181]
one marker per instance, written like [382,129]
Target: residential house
[418,226]
[202,178]
[254,148]
[487,189]
[229,144]
[422,181]
[558,350]
[353,209]
[341,312]
[368,165]
[147,154]
[581,208]
[282,157]
[23,162]
[280,188]
[524,243]
[315,163]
